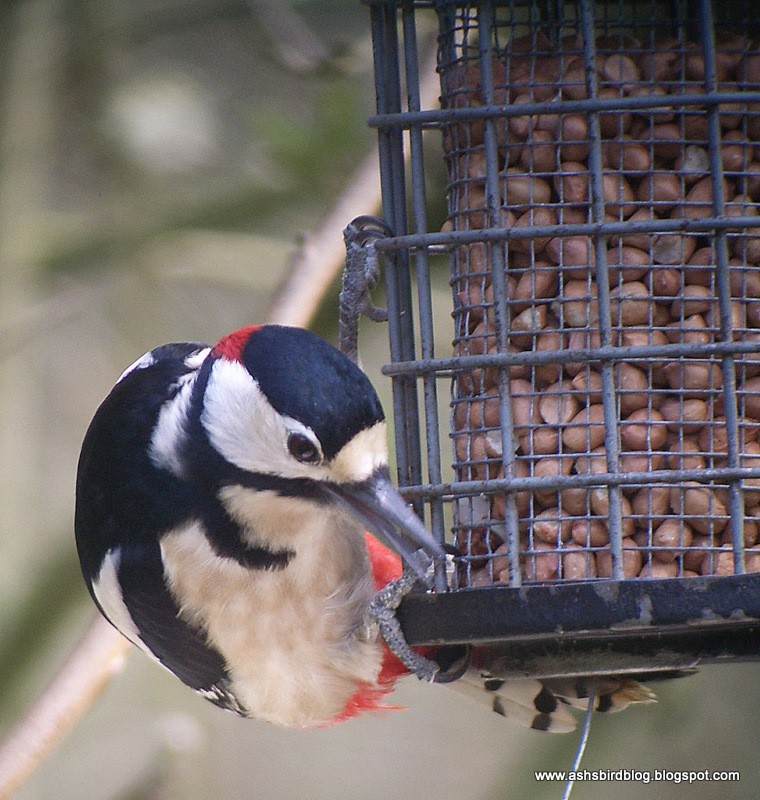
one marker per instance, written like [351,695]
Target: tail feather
[545,704]
[524,701]
[612,693]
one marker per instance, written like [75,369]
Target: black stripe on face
[226,537]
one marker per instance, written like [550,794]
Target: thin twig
[320,258]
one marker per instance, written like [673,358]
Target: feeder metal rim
[448,116]
[602,609]
[490,235]
[456,489]
[455,364]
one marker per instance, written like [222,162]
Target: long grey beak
[379,506]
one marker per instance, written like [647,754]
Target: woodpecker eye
[303,449]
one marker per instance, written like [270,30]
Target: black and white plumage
[223,499]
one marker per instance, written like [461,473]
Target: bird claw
[450,662]
[382,611]
[360,276]
[376,314]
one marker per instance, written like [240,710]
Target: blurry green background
[160,162]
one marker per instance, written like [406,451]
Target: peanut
[585,431]
[663,289]
[659,569]
[578,307]
[589,383]
[661,190]
[687,415]
[701,506]
[558,405]
[651,502]
[522,189]
[539,216]
[541,565]
[552,527]
[633,386]
[590,533]
[577,563]
[630,304]
[673,536]
[632,561]
[642,430]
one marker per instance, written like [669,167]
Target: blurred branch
[320,257]
[295,44]
[98,656]
[101,652]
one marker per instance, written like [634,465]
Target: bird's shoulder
[117,463]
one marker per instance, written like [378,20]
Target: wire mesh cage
[603,163]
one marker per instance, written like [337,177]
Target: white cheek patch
[242,425]
[239,421]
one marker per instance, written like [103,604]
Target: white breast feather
[291,638]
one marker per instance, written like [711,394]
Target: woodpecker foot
[450,662]
[360,276]
[382,611]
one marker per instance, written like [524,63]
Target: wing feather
[133,595]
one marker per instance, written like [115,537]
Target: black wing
[181,648]
[125,503]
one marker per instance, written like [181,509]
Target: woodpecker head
[295,416]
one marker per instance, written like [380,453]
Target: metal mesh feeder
[603,165]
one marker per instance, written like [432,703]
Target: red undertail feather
[371,698]
[232,346]
[386,567]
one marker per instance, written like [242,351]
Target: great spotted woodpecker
[223,495]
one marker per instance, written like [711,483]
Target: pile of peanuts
[670,413]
